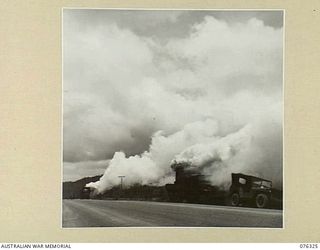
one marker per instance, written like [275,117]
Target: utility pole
[121,180]
[121,183]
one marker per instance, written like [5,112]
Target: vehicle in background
[191,186]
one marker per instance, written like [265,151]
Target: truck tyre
[262,201]
[235,199]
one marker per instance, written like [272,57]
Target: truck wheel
[262,201]
[235,199]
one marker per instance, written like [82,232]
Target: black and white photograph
[172,118]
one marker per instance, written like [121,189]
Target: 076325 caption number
[307,246]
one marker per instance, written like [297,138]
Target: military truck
[89,193]
[85,193]
[192,186]
[250,190]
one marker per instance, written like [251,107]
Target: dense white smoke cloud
[154,165]
[211,97]
[199,145]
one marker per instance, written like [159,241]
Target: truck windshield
[267,184]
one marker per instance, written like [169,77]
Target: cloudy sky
[132,75]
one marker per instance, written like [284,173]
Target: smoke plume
[199,145]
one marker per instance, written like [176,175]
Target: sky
[141,88]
